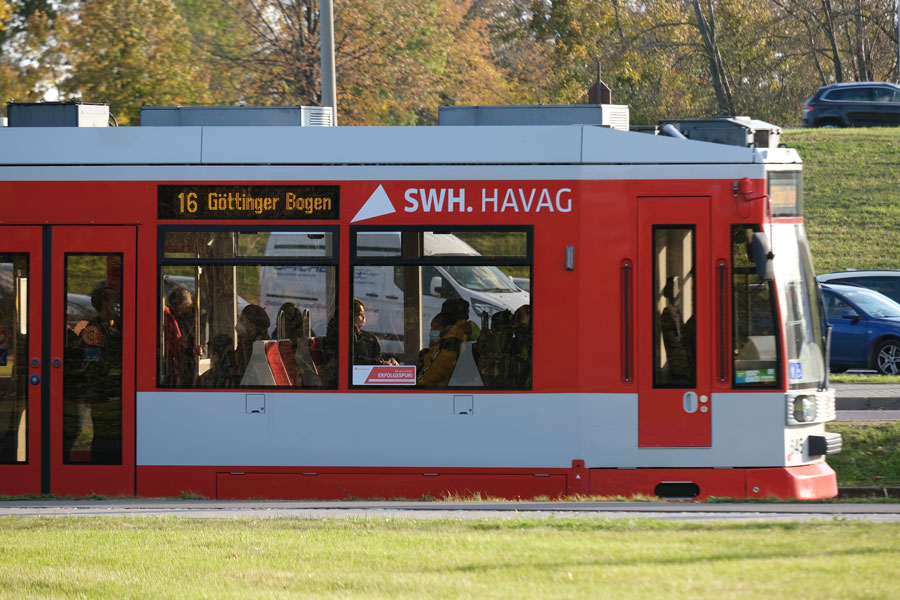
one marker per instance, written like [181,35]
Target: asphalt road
[666,511]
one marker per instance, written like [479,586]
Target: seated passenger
[222,372]
[522,346]
[328,357]
[292,328]
[253,325]
[180,350]
[439,360]
[288,324]
[366,347]
[458,310]
[672,327]
[504,350]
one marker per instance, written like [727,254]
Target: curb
[851,403]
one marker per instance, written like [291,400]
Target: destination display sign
[248,202]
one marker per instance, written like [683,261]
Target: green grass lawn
[871,453]
[851,179]
[405,558]
[859,378]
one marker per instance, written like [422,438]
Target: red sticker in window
[384,375]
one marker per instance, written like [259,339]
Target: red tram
[331,312]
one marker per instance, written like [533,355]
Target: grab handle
[626,320]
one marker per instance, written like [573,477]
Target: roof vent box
[57,114]
[615,116]
[734,131]
[225,116]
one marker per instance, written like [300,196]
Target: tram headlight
[804,409]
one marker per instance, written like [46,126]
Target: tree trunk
[862,61]
[832,39]
[724,100]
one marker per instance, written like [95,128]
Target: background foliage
[398,60]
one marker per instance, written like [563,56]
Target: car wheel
[887,357]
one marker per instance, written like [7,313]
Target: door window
[674,288]
[92,377]
[13,357]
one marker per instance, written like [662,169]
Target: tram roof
[283,145]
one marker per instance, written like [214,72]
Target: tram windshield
[798,294]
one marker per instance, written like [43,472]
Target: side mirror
[762,256]
[435,287]
[850,314]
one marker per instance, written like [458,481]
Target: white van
[485,288]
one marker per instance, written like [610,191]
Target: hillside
[852,196]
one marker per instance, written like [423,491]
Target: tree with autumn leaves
[397,61]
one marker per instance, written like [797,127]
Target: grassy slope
[871,453]
[852,213]
[852,196]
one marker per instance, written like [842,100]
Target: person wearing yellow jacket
[439,360]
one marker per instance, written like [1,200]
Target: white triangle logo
[377,205]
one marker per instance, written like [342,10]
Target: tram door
[674,308]
[67,404]
[20,361]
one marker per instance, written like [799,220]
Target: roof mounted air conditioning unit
[734,131]
[615,116]
[229,116]
[57,114]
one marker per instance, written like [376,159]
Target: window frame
[355,260]
[776,320]
[262,261]
[657,366]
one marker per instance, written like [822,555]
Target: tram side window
[443,307]
[245,309]
[754,341]
[674,287]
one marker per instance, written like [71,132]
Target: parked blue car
[865,329]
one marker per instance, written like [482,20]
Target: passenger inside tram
[327,350]
[252,326]
[504,350]
[450,328]
[222,372]
[292,330]
[366,347]
[289,324]
[180,347]
[100,349]
[675,334]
